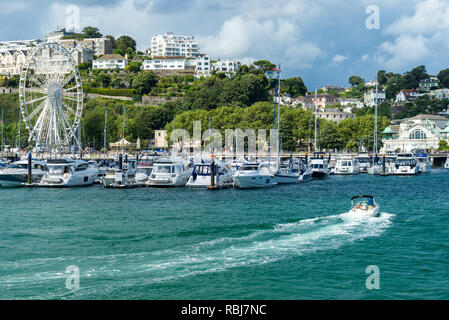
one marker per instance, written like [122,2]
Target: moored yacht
[424,162]
[254,175]
[212,175]
[16,174]
[67,172]
[406,165]
[170,173]
[446,165]
[288,173]
[346,165]
[364,160]
[319,166]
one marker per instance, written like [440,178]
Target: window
[418,135]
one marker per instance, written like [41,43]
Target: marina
[268,243]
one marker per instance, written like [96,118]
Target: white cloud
[419,38]
[339,58]
[279,40]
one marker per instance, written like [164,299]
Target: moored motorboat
[170,173]
[319,166]
[16,174]
[67,172]
[406,164]
[211,175]
[346,165]
[254,175]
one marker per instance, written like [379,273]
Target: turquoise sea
[289,242]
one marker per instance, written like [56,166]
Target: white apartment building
[227,66]
[55,36]
[369,98]
[110,61]
[18,45]
[175,63]
[169,45]
[203,66]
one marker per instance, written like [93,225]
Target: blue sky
[323,41]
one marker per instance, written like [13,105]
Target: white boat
[201,176]
[254,175]
[406,164]
[16,174]
[288,173]
[143,172]
[364,205]
[319,167]
[130,166]
[67,172]
[305,173]
[347,166]
[446,165]
[364,162]
[170,173]
[424,162]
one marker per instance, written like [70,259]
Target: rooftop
[111,57]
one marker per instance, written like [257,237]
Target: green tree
[124,43]
[443,76]
[144,81]
[293,86]
[92,32]
[264,65]
[355,81]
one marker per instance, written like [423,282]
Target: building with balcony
[440,94]
[169,45]
[426,85]
[99,46]
[226,66]
[110,61]
[165,63]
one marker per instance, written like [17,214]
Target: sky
[322,41]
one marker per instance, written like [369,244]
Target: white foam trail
[259,247]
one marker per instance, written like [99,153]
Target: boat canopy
[362,196]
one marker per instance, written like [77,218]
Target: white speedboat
[446,165]
[170,173]
[364,205]
[210,175]
[346,166]
[319,167]
[254,175]
[406,164]
[16,174]
[288,173]
[67,172]
[424,162]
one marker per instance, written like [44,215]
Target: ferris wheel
[51,96]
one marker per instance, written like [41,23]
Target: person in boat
[370,202]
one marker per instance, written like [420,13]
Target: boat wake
[282,241]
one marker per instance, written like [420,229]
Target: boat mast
[274,116]
[316,109]
[105,131]
[123,129]
[279,115]
[20,118]
[375,119]
[2,129]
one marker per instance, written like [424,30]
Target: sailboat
[319,165]
[376,168]
[284,174]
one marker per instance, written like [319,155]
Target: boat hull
[371,212]
[245,182]
[286,179]
[319,174]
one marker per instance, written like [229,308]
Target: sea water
[288,242]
